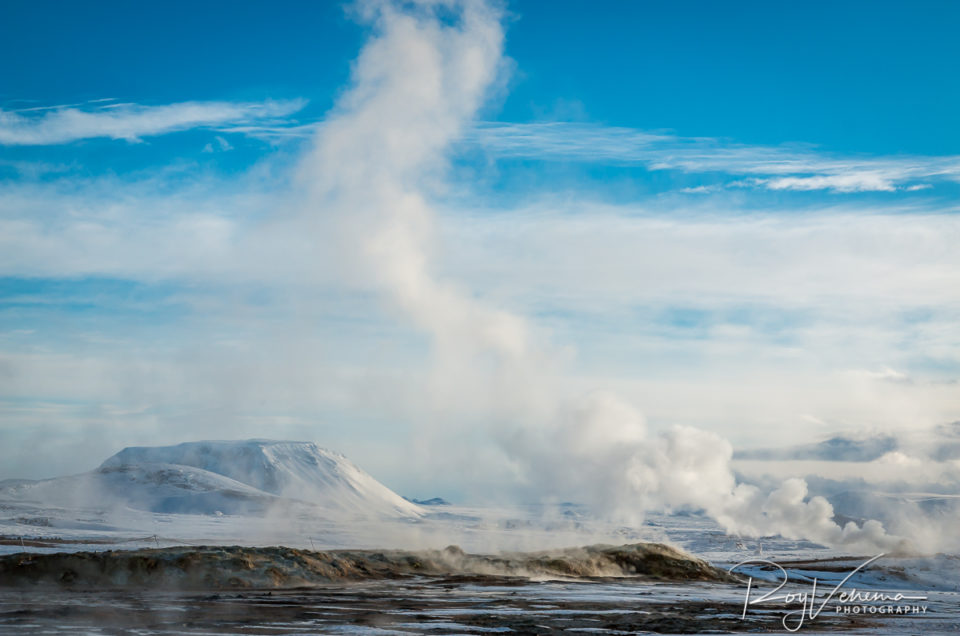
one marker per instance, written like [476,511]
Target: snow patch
[228,477]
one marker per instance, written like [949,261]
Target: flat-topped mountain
[229,477]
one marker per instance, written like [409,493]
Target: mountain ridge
[222,477]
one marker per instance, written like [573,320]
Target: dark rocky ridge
[236,567]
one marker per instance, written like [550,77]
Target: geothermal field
[286,538]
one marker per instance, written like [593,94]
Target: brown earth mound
[225,567]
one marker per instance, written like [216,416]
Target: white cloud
[789,299]
[852,182]
[222,145]
[578,254]
[777,167]
[275,133]
[131,122]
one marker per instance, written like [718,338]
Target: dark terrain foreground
[443,605]
[237,567]
[241,590]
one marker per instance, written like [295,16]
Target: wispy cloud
[275,133]
[131,122]
[787,167]
[852,182]
[772,167]
[222,145]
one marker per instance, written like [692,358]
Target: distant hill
[839,448]
[226,477]
[433,501]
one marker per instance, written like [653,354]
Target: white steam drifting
[377,163]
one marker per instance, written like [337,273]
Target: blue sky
[868,78]
[740,215]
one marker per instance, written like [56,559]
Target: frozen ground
[442,605]
[490,604]
[439,606]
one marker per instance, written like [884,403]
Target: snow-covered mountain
[229,477]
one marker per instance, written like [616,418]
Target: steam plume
[376,165]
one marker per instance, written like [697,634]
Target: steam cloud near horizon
[375,166]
